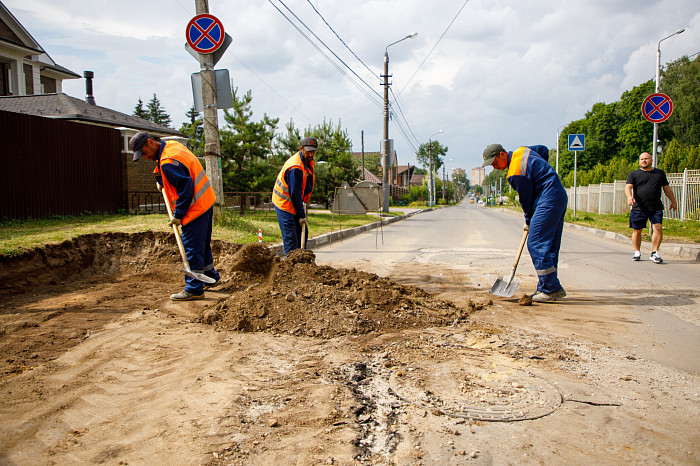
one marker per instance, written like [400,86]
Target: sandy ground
[287,362]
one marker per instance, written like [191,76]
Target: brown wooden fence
[55,167]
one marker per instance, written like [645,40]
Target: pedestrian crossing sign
[577,142]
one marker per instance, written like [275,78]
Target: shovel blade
[198,276]
[505,289]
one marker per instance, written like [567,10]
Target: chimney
[88,87]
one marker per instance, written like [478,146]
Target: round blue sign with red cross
[205,33]
[657,108]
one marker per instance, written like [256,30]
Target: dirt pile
[296,296]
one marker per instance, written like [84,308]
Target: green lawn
[18,236]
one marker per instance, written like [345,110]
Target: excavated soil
[298,297]
[52,297]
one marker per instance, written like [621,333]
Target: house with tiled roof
[43,127]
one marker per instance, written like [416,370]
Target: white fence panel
[610,198]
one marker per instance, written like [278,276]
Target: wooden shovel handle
[178,238]
[520,250]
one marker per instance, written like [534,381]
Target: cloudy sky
[506,71]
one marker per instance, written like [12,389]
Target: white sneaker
[637,256]
[656,257]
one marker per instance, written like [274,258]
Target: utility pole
[385,139]
[362,134]
[430,175]
[212,149]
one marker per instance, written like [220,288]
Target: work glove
[302,222]
[175,221]
[526,227]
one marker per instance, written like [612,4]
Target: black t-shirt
[647,187]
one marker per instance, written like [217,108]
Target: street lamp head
[411,36]
[677,32]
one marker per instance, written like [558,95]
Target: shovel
[185,264]
[506,288]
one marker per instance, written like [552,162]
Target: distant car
[480,201]
[471,201]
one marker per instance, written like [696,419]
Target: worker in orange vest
[192,199]
[293,188]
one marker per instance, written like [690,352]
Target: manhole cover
[501,395]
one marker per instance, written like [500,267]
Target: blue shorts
[638,218]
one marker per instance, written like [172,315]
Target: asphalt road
[653,309]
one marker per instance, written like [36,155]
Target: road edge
[339,235]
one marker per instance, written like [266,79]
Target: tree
[194,132]
[156,113]
[335,149]
[246,146]
[139,111]
[437,153]
[635,133]
[681,81]
[461,183]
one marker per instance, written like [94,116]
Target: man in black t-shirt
[647,183]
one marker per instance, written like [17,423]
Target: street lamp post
[431,180]
[655,156]
[386,149]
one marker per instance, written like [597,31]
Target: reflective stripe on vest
[176,154]
[518,162]
[280,193]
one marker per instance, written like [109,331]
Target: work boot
[541,297]
[211,285]
[186,296]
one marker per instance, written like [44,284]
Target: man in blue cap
[191,197]
[544,201]
[293,188]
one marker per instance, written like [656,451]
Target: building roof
[62,106]
[14,35]
[369,176]
[417,180]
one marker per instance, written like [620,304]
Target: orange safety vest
[518,162]
[280,193]
[204,197]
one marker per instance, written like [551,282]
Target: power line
[337,67]
[403,115]
[341,40]
[271,88]
[323,43]
[434,46]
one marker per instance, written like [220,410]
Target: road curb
[327,238]
[684,251]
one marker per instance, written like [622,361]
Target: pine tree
[156,112]
[141,112]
